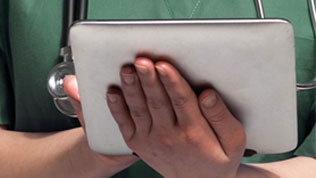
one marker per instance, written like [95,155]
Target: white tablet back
[250,62]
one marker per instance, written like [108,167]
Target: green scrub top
[30,38]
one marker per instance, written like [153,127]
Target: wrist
[120,161]
[105,165]
[108,165]
[249,171]
[86,163]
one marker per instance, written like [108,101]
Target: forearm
[60,154]
[299,167]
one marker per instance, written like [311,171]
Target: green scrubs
[30,38]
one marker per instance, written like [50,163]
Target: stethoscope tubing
[77,10]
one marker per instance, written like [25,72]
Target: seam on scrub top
[309,38]
[195,7]
[33,20]
[168,8]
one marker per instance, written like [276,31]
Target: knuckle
[180,101]
[241,138]
[130,144]
[217,115]
[128,136]
[163,137]
[133,142]
[122,123]
[238,141]
[139,112]
[165,140]
[192,136]
[115,111]
[155,103]
[130,94]
[171,83]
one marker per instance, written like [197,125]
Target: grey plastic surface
[250,62]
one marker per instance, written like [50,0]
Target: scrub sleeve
[6,99]
[35,40]
[308,147]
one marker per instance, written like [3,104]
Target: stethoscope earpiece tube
[77,10]
[73,11]
[260,11]
[306,86]
[311,84]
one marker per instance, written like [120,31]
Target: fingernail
[141,69]
[210,100]
[112,98]
[128,79]
[161,71]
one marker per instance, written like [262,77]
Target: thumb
[71,89]
[228,129]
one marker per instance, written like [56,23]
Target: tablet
[250,62]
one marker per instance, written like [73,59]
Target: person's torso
[35,28]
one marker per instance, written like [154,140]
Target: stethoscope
[76,10]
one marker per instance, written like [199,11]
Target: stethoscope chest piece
[56,77]
[64,106]
[60,71]
[56,80]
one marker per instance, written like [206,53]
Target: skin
[174,149]
[62,154]
[171,129]
[56,154]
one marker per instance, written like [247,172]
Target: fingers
[156,96]
[120,113]
[135,100]
[115,102]
[228,129]
[182,97]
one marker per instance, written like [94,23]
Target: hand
[71,88]
[173,131]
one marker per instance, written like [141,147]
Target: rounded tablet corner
[76,30]
[73,28]
[288,148]
[286,23]
[292,146]
[76,26]
[76,23]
